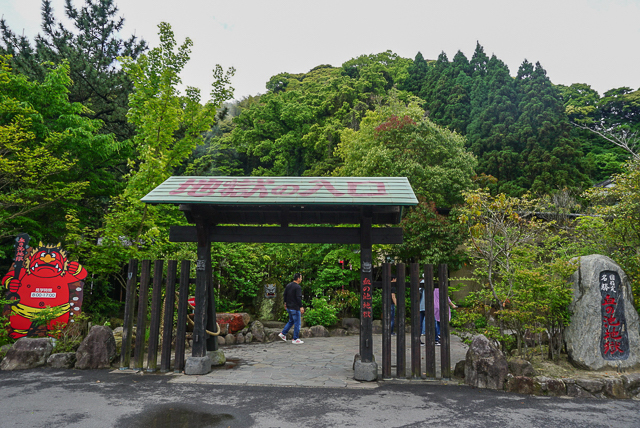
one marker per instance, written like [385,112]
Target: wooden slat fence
[430,337]
[138,291]
[140,294]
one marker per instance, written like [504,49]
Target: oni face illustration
[47,262]
[43,278]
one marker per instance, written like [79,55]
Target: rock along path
[319,362]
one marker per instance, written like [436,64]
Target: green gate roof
[343,191]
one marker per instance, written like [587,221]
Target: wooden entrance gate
[273,204]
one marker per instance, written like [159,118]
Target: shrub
[321,313]
[69,336]
[346,303]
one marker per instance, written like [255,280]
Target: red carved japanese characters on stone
[614,342]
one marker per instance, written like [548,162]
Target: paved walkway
[319,362]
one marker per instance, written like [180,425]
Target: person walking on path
[293,305]
[393,303]
[436,310]
[422,310]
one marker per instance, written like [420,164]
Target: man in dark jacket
[293,305]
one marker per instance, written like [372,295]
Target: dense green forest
[90,122]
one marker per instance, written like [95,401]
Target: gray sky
[576,41]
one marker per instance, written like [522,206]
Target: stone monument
[604,333]
[269,302]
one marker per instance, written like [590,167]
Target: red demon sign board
[42,277]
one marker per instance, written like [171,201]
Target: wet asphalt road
[72,398]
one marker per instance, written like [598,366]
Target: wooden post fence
[430,335]
[140,294]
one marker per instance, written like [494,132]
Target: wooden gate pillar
[386,320]
[202,292]
[366,290]
[212,341]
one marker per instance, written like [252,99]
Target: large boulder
[352,325]
[27,353]
[235,322]
[305,332]
[376,327]
[319,331]
[65,360]
[97,350]
[485,365]
[521,367]
[257,331]
[604,333]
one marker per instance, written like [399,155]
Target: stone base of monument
[217,357]
[197,365]
[367,372]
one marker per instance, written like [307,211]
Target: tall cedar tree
[551,158]
[489,133]
[91,49]
[458,108]
[417,74]
[436,90]
[517,128]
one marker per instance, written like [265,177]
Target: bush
[321,313]
[69,336]
[346,303]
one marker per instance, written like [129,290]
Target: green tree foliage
[620,109]
[96,81]
[294,128]
[396,140]
[523,266]
[615,230]
[321,313]
[458,108]
[44,144]
[169,126]
[375,74]
[552,159]
[582,106]
[91,49]
[489,131]
[517,128]
[609,127]
[333,274]
[417,73]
